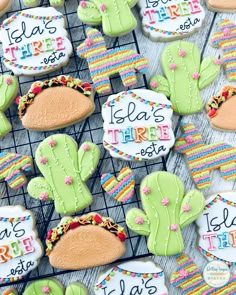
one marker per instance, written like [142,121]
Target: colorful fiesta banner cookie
[168,19]
[20,248]
[35,41]
[217,228]
[137,125]
[132,277]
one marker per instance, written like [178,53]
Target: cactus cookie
[65,171]
[185,75]
[45,286]
[76,289]
[8,91]
[166,211]
[33,3]
[225,38]
[115,16]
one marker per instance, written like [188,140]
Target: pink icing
[182,53]
[89,42]
[189,139]
[173,66]
[46,290]
[186,208]
[43,160]
[68,180]
[43,196]
[165,202]
[183,273]
[83,4]
[103,7]
[52,143]
[146,190]
[218,62]
[196,76]
[86,147]
[139,220]
[154,84]
[9,81]
[174,227]
[226,31]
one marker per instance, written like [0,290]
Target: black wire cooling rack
[25,142]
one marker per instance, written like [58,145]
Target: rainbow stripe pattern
[188,277]
[202,158]
[104,63]
[11,165]
[120,188]
[225,38]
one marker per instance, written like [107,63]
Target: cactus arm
[131,3]
[210,69]
[159,84]
[88,155]
[38,188]
[138,222]
[90,14]
[5,126]
[191,207]
[76,288]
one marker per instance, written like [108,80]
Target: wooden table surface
[26,142]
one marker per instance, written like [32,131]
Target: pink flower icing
[83,4]
[43,160]
[174,227]
[43,196]
[146,190]
[165,202]
[182,53]
[68,180]
[189,139]
[86,147]
[89,42]
[226,31]
[186,208]
[173,67]
[218,62]
[154,84]
[139,220]
[52,142]
[9,81]
[196,76]
[103,7]
[183,273]
[46,290]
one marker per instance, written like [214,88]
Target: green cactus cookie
[33,3]
[115,16]
[166,212]
[65,171]
[76,289]
[45,286]
[8,91]
[185,76]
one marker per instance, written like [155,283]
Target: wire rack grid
[25,142]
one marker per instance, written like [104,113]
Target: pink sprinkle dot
[165,202]
[9,81]
[196,76]
[226,31]
[86,147]
[173,67]
[46,290]
[154,84]
[52,142]
[89,42]
[22,218]
[43,196]
[183,273]
[146,190]
[83,4]
[218,62]
[186,208]
[68,180]
[133,274]
[182,53]
[103,7]
[139,220]
[43,160]
[189,139]
[17,100]
[155,275]
[174,227]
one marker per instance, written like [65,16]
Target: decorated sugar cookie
[203,158]
[104,63]
[221,5]
[12,168]
[185,76]
[167,210]
[20,248]
[217,228]
[221,109]
[225,38]
[107,237]
[35,41]
[115,16]
[189,278]
[66,170]
[45,286]
[5,5]
[173,19]
[142,277]
[8,91]
[71,101]
[137,125]
[120,188]
[33,3]
[76,289]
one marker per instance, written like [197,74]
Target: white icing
[168,19]
[54,50]
[213,221]
[141,115]
[133,285]
[17,231]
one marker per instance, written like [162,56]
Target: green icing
[183,88]
[76,289]
[116,16]
[36,288]
[158,217]
[33,3]
[65,171]
[8,91]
